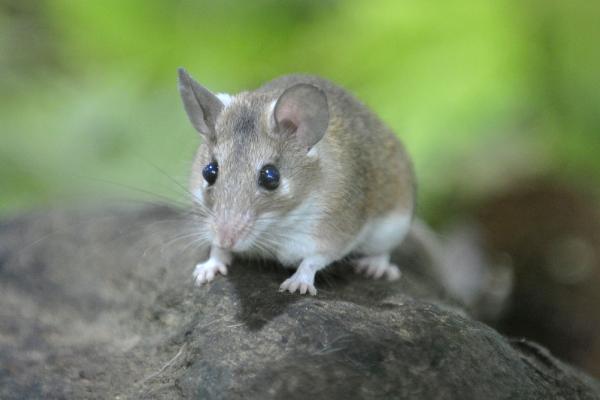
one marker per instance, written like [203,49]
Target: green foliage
[482,92]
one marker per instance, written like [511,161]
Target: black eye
[210,172]
[268,177]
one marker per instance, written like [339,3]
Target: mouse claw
[393,273]
[222,268]
[205,272]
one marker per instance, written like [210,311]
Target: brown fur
[361,171]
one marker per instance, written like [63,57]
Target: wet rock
[101,305]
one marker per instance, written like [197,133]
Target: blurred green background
[498,102]
[484,93]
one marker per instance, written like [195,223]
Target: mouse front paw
[206,271]
[298,283]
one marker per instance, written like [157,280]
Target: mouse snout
[231,229]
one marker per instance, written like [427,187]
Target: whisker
[135,189]
[171,178]
[181,237]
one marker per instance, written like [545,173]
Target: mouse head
[255,165]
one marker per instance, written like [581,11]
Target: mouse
[298,171]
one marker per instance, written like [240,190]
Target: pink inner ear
[288,126]
[303,111]
[288,116]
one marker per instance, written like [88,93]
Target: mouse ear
[201,105]
[302,110]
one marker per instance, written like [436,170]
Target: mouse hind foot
[377,267]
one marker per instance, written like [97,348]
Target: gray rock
[102,305]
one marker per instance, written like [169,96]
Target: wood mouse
[299,171]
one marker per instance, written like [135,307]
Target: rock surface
[102,305]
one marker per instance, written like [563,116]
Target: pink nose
[228,233]
[225,238]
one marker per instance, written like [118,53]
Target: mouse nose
[229,231]
[225,238]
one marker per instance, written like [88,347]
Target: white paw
[300,283]
[206,271]
[376,267]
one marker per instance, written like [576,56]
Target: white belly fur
[297,231]
[381,235]
[378,236]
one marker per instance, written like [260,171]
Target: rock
[102,305]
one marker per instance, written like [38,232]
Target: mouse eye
[269,177]
[210,172]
